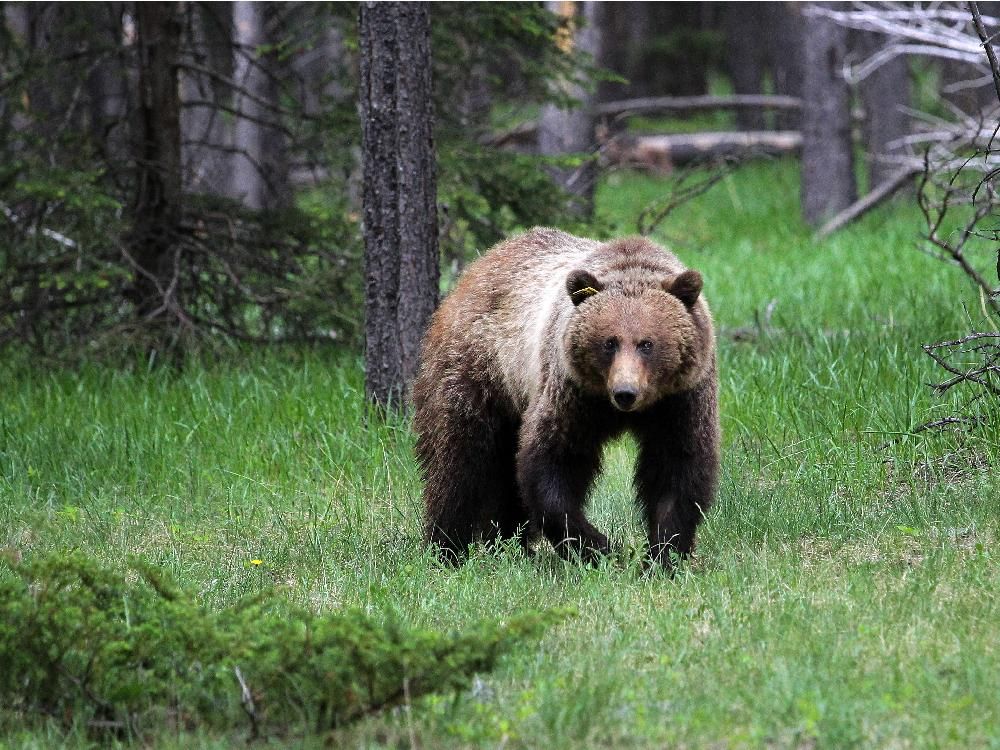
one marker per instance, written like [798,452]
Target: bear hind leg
[470,493]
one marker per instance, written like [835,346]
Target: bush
[92,648]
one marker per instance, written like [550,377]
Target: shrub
[92,648]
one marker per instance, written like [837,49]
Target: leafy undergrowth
[121,655]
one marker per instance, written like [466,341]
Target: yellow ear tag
[587,291]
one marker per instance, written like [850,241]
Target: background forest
[216,215]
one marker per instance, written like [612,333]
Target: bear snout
[627,382]
[624,397]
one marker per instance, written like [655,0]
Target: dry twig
[985,372]
[246,700]
[684,185]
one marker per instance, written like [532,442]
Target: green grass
[845,587]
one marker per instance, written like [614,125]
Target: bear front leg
[677,471]
[554,476]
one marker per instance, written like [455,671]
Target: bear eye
[611,345]
[645,346]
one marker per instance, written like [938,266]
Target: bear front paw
[588,549]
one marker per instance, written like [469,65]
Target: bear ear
[582,284]
[686,287]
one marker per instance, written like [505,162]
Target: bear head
[634,345]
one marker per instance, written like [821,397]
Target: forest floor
[845,588]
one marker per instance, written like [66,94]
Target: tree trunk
[401,243]
[157,148]
[17,23]
[764,39]
[275,156]
[247,165]
[321,69]
[744,30]
[626,34]
[677,59]
[207,130]
[44,27]
[571,131]
[885,94]
[784,53]
[107,87]
[827,159]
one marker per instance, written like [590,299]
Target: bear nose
[625,397]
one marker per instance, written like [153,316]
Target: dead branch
[958,168]
[977,20]
[271,124]
[51,234]
[269,106]
[246,700]
[985,372]
[683,187]
[936,30]
[937,424]
[935,200]
[862,206]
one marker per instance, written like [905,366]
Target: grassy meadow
[845,588]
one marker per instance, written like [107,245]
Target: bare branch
[243,92]
[685,186]
[246,700]
[868,202]
[985,373]
[987,45]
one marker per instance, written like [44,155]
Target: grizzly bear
[549,346]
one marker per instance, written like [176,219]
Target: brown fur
[549,346]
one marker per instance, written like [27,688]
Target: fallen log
[868,202]
[686,104]
[523,136]
[661,153]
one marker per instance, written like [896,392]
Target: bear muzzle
[624,397]
[627,384]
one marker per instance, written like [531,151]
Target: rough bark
[275,153]
[571,131]
[401,242]
[885,94]
[156,211]
[827,159]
